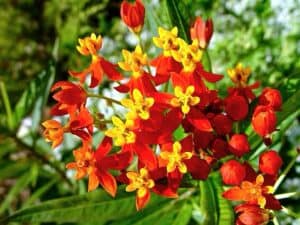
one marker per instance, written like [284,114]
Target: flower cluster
[166,94]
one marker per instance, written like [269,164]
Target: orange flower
[85,165]
[54,132]
[256,192]
[133,15]
[141,182]
[89,45]
[98,66]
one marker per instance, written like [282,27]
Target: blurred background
[38,45]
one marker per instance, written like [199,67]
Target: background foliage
[37,42]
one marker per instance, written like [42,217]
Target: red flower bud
[202,31]
[239,145]
[271,97]
[219,148]
[270,162]
[251,214]
[232,172]
[222,124]
[133,15]
[263,120]
[236,107]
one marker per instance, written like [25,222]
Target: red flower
[202,31]
[98,67]
[219,148]
[164,66]
[263,120]
[222,124]
[133,15]
[236,107]
[239,145]
[81,124]
[105,162]
[69,96]
[233,172]
[251,214]
[270,162]
[271,97]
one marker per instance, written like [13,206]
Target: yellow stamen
[184,99]
[140,182]
[175,158]
[122,132]
[239,75]
[138,105]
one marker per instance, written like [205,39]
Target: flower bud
[219,148]
[239,145]
[263,120]
[236,107]
[232,172]
[271,97]
[222,124]
[270,162]
[251,214]
[133,15]
[202,31]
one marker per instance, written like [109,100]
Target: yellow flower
[184,99]
[140,182]
[188,55]
[175,158]
[121,133]
[138,105]
[134,61]
[89,45]
[167,40]
[239,75]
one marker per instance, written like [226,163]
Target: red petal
[198,168]
[140,202]
[110,70]
[104,148]
[108,182]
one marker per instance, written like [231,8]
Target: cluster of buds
[140,148]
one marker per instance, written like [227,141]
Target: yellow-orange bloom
[134,61]
[184,99]
[138,105]
[141,182]
[167,40]
[239,75]
[121,132]
[89,45]
[85,165]
[175,158]
[188,55]
[54,132]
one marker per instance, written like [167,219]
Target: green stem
[7,106]
[92,95]
[287,195]
[290,212]
[285,172]
[143,49]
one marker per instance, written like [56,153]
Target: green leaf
[225,212]
[94,207]
[35,97]
[21,183]
[179,17]
[184,215]
[179,133]
[208,207]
